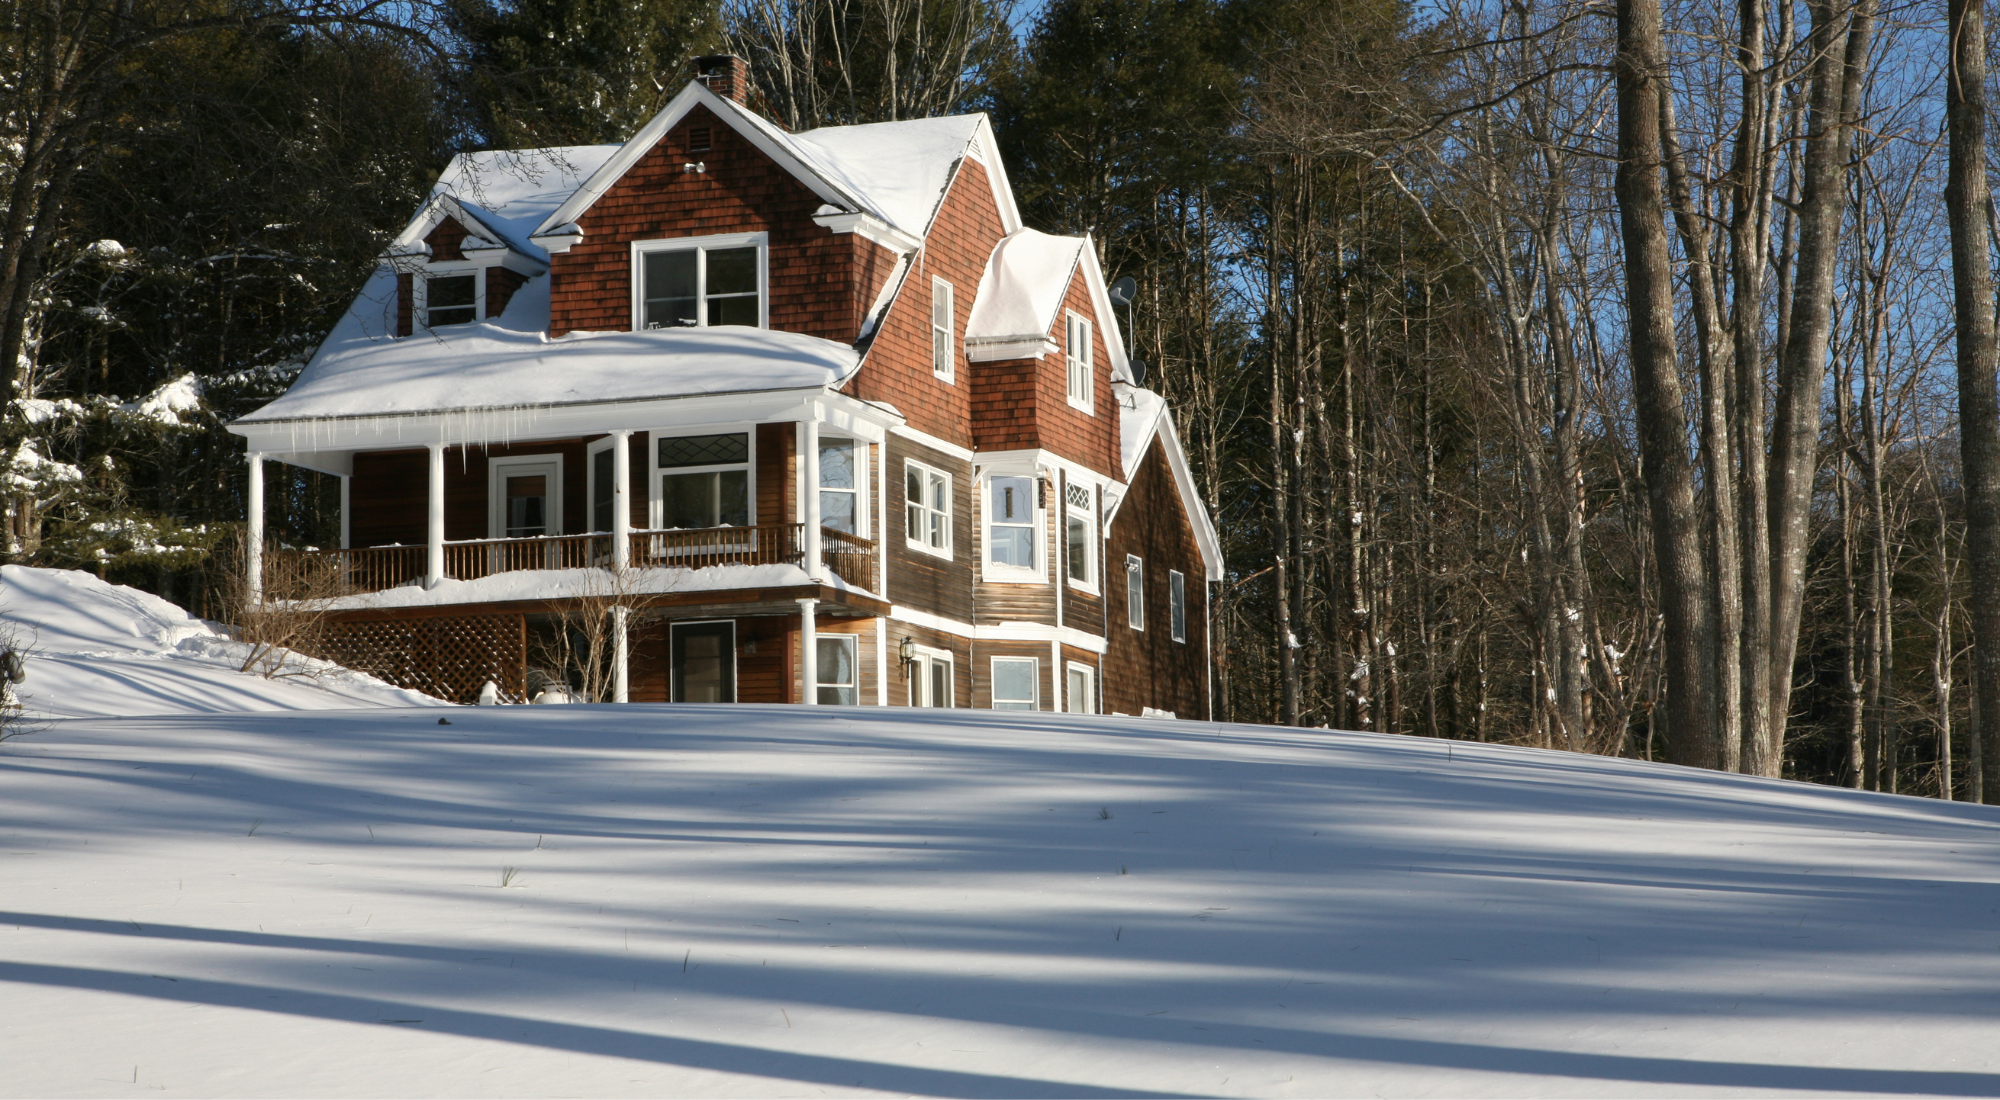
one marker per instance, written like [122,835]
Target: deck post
[808,652]
[809,464]
[621,512]
[346,517]
[253,559]
[621,650]
[434,560]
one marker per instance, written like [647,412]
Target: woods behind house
[1564,374]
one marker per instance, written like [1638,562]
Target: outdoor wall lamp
[907,651]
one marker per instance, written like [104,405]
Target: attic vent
[699,138]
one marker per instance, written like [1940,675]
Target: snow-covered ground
[784,901]
[103,650]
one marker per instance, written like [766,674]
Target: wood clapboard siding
[961,662]
[777,473]
[918,579]
[1012,601]
[898,369]
[819,281]
[1148,668]
[982,692]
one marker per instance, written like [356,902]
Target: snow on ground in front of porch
[105,649]
[552,584]
[784,901]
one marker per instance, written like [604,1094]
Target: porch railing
[296,574]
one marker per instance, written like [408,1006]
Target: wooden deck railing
[851,557]
[294,574]
[476,558]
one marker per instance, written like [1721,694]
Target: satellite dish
[1138,369]
[1124,290]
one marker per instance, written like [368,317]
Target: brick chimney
[725,74]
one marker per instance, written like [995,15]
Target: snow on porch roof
[508,363]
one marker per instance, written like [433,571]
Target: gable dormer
[453,267]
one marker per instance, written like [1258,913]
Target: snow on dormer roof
[507,192]
[1021,298]
[893,172]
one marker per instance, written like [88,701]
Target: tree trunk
[1663,430]
[1966,197]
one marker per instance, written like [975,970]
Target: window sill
[1086,410]
[1003,575]
[1084,587]
[942,553]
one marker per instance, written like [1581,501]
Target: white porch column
[621,514]
[621,680]
[809,463]
[434,566]
[809,652]
[346,519]
[253,562]
[881,661]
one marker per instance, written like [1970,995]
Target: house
[816,411]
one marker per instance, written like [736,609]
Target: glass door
[704,662]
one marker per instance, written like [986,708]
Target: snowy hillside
[770,901]
[105,649]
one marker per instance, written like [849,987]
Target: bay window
[927,499]
[839,486]
[1010,522]
[1080,531]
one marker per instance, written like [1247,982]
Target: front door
[527,498]
[704,662]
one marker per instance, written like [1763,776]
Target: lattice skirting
[448,657]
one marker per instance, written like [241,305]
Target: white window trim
[1090,679]
[853,644]
[496,503]
[1135,566]
[420,291]
[918,672]
[864,512]
[1177,623]
[1092,544]
[949,374]
[636,267]
[1034,682]
[995,572]
[654,503]
[1071,319]
[914,543]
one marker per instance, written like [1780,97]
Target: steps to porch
[318,574]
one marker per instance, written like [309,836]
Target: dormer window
[696,282]
[451,300]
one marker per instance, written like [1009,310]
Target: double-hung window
[1079,533]
[1135,592]
[704,480]
[451,299]
[944,326]
[1077,361]
[837,677]
[1014,682]
[839,486]
[1082,693]
[698,281]
[927,498]
[1177,604]
[1010,522]
[931,682]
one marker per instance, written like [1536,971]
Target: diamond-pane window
[704,450]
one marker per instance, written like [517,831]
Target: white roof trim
[480,237]
[745,123]
[989,349]
[984,148]
[868,227]
[1107,317]
[1205,536]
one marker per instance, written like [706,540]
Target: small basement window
[450,300]
[1014,682]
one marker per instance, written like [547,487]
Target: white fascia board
[560,239]
[869,227]
[1205,536]
[999,632]
[736,117]
[408,252]
[942,446]
[1100,300]
[988,149]
[993,349]
[1042,459]
[457,427]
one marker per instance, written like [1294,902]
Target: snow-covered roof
[510,191]
[1142,417]
[363,369]
[1020,294]
[895,172]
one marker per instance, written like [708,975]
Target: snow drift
[105,649]
[783,901]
